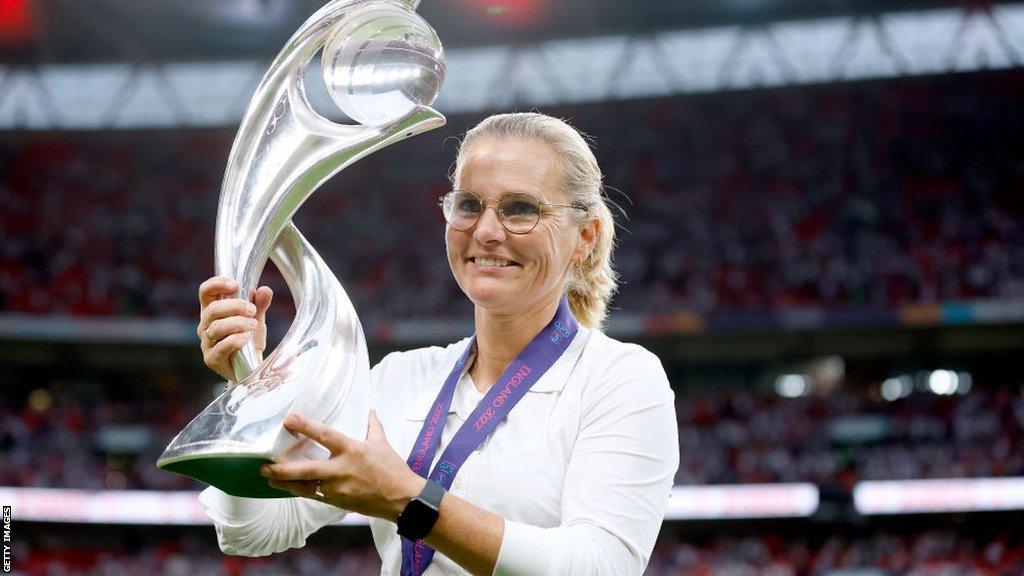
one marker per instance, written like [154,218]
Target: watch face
[417,519]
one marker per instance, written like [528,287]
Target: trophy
[383,65]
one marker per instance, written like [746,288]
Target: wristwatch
[418,518]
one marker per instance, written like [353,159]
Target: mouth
[492,263]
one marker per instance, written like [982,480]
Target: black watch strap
[420,514]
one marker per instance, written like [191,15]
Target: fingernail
[290,420]
[265,470]
[251,308]
[232,284]
[252,324]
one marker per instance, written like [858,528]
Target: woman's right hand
[227,323]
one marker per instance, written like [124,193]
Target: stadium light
[943,382]
[964,383]
[897,387]
[16,22]
[510,13]
[792,385]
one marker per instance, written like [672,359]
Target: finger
[305,488]
[226,308]
[217,310]
[221,351]
[223,327]
[322,434]
[262,298]
[215,287]
[304,470]
[374,429]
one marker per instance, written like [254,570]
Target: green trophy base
[235,475]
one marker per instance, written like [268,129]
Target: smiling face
[509,273]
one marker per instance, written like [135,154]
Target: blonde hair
[593,281]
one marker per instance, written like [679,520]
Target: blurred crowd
[83,437]
[190,555]
[844,437]
[929,553]
[79,435]
[863,196]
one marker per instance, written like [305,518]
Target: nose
[488,227]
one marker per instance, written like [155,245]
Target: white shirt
[581,470]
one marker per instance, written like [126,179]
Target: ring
[319,493]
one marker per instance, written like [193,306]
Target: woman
[565,441]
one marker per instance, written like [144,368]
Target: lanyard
[532,363]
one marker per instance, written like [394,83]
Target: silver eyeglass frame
[447,208]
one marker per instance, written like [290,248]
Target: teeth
[491,262]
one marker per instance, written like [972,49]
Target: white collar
[551,381]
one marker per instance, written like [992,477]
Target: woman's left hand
[365,477]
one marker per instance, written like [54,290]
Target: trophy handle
[324,349]
[320,159]
[320,370]
[283,152]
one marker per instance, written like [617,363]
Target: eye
[520,207]
[467,204]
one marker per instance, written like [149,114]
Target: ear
[589,234]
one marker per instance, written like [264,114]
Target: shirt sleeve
[617,484]
[259,527]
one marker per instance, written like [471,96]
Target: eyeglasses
[518,212]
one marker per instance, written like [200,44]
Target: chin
[493,298]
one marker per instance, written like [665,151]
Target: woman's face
[509,273]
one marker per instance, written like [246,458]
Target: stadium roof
[544,73]
[64,31]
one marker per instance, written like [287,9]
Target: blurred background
[822,237]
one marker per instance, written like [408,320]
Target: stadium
[820,220]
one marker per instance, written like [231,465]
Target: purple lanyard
[538,356]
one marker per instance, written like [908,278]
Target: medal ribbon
[532,363]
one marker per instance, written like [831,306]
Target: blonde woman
[537,446]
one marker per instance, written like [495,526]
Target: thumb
[262,300]
[374,429]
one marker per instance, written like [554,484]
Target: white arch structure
[210,94]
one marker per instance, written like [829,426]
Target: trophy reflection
[383,65]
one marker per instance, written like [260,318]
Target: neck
[501,337]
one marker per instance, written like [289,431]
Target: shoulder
[626,355]
[624,400]
[604,354]
[623,371]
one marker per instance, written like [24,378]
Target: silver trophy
[383,65]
